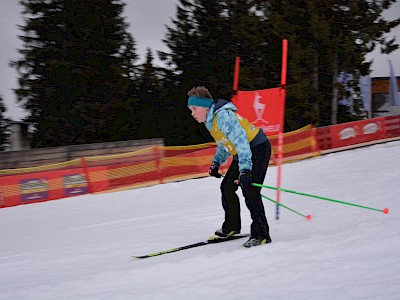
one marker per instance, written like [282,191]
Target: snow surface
[80,248]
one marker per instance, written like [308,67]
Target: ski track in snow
[81,247]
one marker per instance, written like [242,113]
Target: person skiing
[251,152]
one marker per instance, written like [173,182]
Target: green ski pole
[308,217]
[385,211]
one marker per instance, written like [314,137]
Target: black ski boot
[256,242]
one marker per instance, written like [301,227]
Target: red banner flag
[263,108]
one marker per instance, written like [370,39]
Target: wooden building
[380,97]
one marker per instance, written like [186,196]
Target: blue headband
[197,101]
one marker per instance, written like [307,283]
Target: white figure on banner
[258,107]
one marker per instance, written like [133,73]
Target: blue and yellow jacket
[233,134]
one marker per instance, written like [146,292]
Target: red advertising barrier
[357,132]
[392,124]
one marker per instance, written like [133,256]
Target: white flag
[393,88]
[365,87]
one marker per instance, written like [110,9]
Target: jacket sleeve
[231,128]
[221,155]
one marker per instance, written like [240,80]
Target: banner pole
[281,129]
[236,77]
[279,175]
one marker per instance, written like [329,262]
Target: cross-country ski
[204,243]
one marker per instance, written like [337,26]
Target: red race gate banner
[263,108]
[357,132]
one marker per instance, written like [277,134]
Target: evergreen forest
[81,80]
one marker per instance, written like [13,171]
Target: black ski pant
[230,200]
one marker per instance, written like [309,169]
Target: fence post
[156,152]
[314,144]
[86,172]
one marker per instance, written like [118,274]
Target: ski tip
[308,217]
[386,211]
[137,257]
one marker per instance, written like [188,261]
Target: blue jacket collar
[219,105]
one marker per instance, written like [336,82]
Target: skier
[251,152]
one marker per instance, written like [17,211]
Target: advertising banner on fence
[34,189]
[42,186]
[74,184]
[357,132]
[263,108]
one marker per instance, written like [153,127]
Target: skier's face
[199,113]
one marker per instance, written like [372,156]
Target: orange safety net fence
[298,144]
[35,184]
[149,166]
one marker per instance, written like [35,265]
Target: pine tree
[150,92]
[4,135]
[75,71]
[251,39]
[191,64]
[204,40]
[209,35]
[326,38]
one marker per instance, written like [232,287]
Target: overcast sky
[147,20]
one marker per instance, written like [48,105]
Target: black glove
[213,171]
[245,180]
